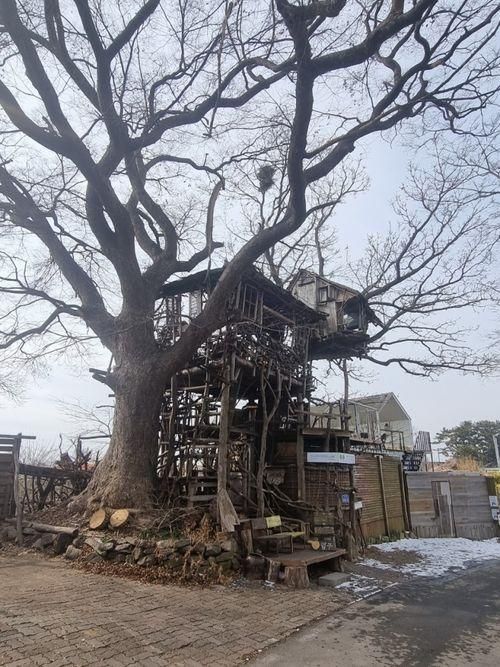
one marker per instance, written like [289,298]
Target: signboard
[331,457]
[413,460]
[423,441]
[359,448]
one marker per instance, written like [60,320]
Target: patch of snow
[439,555]
[360,586]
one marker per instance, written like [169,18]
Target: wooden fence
[380,486]
[9,445]
[41,486]
[450,504]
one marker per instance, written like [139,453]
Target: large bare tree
[432,278]
[123,121]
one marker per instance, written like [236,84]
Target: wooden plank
[305,557]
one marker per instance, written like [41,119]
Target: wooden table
[296,564]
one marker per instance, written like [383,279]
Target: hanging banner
[331,457]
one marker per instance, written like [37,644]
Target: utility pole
[495,445]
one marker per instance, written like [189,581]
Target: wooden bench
[269,531]
[296,565]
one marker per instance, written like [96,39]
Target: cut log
[99,519]
[119,518]
[46,528]
[296,577]
[314,544]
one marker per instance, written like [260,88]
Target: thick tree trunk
[126,475]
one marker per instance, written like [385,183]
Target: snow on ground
[438,555]
[431,558]
[360,586]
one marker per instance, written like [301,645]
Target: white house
[394,422]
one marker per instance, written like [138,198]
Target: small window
[322,294]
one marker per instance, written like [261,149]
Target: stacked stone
[172,553]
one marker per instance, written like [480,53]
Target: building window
[322,294]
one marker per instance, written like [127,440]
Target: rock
[224,557]
[229,544]
[29,531]
[79,541]
[130,540]
[100,547]
[198,549]
[225,566]
[164,554]
[123,548]
[137,553]
[45,540]
[145,544]
[72,553]
[61,543]
[10,533]
[94,558]
[213,550]
[166,544]
[182,545]
[201,564]
[118,558]
[235,564]
[146,561]
[174,563]
[93,542]
[334,579]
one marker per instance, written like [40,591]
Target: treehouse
[242,390]
[238,418]
[342,332]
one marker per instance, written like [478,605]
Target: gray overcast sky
[432,404]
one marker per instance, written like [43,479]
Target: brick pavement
[51,614]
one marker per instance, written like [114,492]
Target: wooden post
[301,475]
[404,500]
[351,546]
[326,443]
[17,500]
[224,431]
[382,489]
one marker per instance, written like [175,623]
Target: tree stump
[119,518]
[273,570]
[296,577]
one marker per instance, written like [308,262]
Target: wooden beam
[382,489]
[17,499]
[224,425]
[301,475]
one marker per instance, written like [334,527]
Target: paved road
[444,623]
[51,614]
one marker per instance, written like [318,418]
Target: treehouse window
[249,302]
[323,295]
